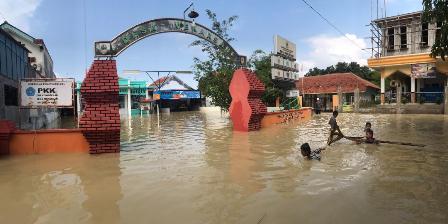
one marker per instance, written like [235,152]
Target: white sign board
[423,71]
[292,93]
[46,93]
[284,47]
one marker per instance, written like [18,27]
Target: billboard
[423,71]
[46,92]
[284,48]
[176,94]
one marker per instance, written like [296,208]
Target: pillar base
[382,98]
[412,97]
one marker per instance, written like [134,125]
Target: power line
[332,25]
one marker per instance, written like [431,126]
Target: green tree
[215,73]
[437,11]
[260,63]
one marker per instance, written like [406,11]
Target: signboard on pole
[423,71]
[46,92]
[284,48]
[283,61]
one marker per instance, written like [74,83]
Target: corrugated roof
[330,83]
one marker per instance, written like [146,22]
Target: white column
[383,85]
[129,98]
[412,85]
[78,103]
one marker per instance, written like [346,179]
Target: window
[403,37]
[424,40]
[11,96]
[390,39]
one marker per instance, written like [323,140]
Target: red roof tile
[331,82]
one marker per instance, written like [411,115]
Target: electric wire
[332,25]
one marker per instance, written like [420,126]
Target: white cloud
[18,12]
[329,50]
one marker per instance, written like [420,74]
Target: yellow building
[401,52]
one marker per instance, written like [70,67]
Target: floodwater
[194,169]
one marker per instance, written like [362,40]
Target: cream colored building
[401,52]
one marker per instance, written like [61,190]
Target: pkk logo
[30,91]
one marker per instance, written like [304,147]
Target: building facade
[401,52]
[23,56]
[334,90]
[39,55]
[14,66]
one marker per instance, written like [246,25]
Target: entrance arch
[157,26]
[100,122]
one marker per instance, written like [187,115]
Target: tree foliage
[437,11]
[353,67]
[215,73]
[260,63]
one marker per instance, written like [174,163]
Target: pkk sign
[46,93]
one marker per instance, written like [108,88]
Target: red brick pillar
[100,121]
[6,128]
[246,109]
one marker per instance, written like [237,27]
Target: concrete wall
[413,38]
[48,141]
[407,109]
[273,118]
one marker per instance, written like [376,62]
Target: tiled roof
[166,79]
[330,83]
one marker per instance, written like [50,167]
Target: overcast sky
[61,23]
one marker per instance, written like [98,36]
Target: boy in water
[369,139]
[368,126]
[307,153]
[334,129]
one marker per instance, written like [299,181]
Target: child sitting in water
[307,153]
[369,137]
[368,126]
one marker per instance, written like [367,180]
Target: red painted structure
[246,110]
[100,122]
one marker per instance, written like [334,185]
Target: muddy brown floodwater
[194,169]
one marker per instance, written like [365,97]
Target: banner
[46,93]
[423,71]
[176,94]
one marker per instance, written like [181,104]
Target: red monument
[246,110]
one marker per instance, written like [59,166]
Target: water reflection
[195,169]
[56,188]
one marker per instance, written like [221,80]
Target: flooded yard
[195,169]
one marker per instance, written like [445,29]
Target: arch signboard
[157,26]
